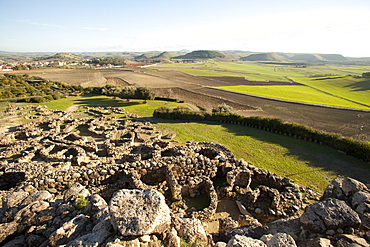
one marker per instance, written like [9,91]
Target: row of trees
[111,60]
[358,149]
[24,87]
[34,89]
[129,92]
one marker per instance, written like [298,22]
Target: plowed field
[197,91]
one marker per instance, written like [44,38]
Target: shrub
[37,99]
[223,108]
[358,149]
[81,202]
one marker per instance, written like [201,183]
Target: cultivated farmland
[195,83]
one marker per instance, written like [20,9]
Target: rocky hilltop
[83,178]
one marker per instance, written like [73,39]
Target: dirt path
[72,108]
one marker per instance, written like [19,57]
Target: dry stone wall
[84,178]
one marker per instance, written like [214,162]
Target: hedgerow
[355,148]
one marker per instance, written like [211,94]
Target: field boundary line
[290,101]
[334,95]
[261,97]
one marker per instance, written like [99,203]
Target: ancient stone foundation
[84,178]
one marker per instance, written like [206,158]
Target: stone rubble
[84,178]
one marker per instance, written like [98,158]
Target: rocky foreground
[84,178]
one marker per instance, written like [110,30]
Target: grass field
[335,86]
[349,87]
[256,71]
[297,93]
[306,163]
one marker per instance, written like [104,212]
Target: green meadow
[348,87]
[260,71]
[297,93]
[326,84]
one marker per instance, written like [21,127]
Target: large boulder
[139,212]
[241,241]
[191,229]
[329,214]
[279,240]
[342,188]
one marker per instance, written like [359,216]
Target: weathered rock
[91,239]
[347,239]
[280,240]
[343,187]
[316,242]
[291,225]
[242,241]
[329,214]
[220,244]
[360,197]
[27,214]
[191,230]
[78,226]
[172,239]
[76,191]
[41,195]
[7,229]
[14,199]
[139,212]
[120,243]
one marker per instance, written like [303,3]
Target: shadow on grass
[363,85]
[315,156]
[104,101]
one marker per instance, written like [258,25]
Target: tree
[144,93]
[127,93]
[366,74]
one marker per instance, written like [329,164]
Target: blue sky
[310,26]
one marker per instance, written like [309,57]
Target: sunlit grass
[349,87]
[306,163]
[295,93]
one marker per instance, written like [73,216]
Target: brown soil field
[197,90]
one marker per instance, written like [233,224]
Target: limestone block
[139,212]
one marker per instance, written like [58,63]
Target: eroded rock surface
[83,178]
[139,212]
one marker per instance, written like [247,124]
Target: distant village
[21,65]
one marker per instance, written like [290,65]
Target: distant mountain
[202,54]
[333,57]
[64,56]
[144,56]
[264,57]
[164,55]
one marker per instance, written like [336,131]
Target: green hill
[64,56]
[202,54]
[164,55]
[263,57]
[308,57]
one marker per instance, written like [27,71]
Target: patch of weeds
[184,243]
[81,202]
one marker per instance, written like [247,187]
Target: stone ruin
[84,178]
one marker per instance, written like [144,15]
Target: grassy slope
[356,89]
[306,163]
[295,93]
